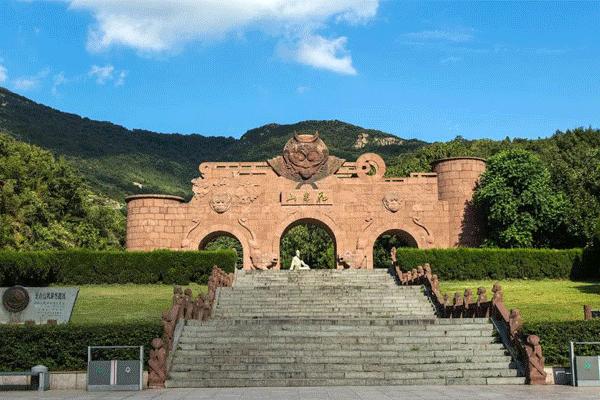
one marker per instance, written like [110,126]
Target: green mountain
[118,161]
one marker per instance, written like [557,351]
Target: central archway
[386,241]
[315,240]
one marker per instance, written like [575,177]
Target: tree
[519,204]
[225,242]
[315,245]
[45,204]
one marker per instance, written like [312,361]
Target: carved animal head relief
[305,159]
[392,202]
[305,154]
[220,202]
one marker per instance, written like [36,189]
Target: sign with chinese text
[306,198]
[37,304]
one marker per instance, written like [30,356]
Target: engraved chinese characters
[37,304]
[306,197]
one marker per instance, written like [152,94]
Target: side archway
[407,234]
[199,238]
[386,241]
[223,240]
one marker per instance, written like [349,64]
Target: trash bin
[40,374]
[588,370]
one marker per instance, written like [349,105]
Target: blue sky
[414,69]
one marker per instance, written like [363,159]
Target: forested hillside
[45,204]
[572,159]
[118,162]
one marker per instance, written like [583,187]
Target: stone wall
[257,202]
[457,178]
[155,221]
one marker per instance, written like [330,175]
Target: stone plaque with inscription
[306,198]
[38,304]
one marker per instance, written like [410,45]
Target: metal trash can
[588,370]
[115,374]
[40,373]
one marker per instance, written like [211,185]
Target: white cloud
[450,60]
[30,82]
[330,54]
[459,36]
[120,81]
[106,74]
[25,83]
[3,74]
[58,80]
[302,89]
[102,74]
[152,26]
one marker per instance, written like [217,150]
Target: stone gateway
[258,202]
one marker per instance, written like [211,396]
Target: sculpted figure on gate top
[305,159]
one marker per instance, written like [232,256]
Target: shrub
[77,267]
[64,347]
[469,263]
[555,338]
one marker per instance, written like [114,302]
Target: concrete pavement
[550,392]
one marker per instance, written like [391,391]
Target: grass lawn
[547,300]
[124,303]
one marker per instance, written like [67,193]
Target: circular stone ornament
[15,299]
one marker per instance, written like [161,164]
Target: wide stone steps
[337,346]
[184,382]
[315,328]
[351,367]
[369,300]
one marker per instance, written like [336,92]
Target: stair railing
[183,308]
[526,349]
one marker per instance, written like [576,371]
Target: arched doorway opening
[223,240]
[314,239]
[386,241]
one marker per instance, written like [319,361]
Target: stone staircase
[329,327]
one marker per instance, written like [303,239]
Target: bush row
[465,263]
[76,267]
[64,347]
[555,338]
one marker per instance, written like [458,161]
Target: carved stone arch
[309,216]
[370,236]
[201,235]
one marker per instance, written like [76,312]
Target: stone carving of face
[392,202]
[305,154]
[220,202]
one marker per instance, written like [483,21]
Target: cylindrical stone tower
[150,222]
[457,178]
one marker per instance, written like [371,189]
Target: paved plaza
[334,393]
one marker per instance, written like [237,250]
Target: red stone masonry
[257,202]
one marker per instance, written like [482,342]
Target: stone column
[457,179]
[154,221]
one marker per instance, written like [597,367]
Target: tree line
[542,193]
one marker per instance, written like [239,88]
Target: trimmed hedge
[555,338]
[470,263]
[78,267]
[64,347]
